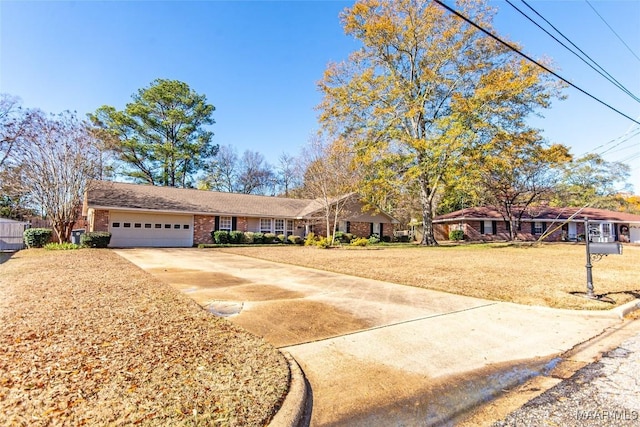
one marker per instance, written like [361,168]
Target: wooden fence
[11,235]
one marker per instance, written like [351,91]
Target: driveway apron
[377,353]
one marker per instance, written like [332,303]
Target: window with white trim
[279,226]
[225,223]
[265,225]
[289,227]
[376,228]
[537,228]
[488,226]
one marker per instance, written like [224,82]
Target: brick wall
[242,224]
[100,220]
[202,227]
[473,232]
[359,229]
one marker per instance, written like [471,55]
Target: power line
[461,16]
[626,137]
[613,31]
[600,70]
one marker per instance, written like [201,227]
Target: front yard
[552,275]
[86,338]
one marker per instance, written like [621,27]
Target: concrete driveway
[377,353]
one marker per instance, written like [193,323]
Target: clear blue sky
[258,62]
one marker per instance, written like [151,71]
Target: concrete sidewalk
[377,353]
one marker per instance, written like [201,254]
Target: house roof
[540,213]
[118,195]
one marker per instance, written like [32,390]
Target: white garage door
[130,229]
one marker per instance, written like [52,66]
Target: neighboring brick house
[557,224]
[146,215]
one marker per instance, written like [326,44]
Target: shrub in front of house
[323,242]
[95,239]
[310,240]
[342,237]
[236,237]
[248,237]
[281,238]
[456,235]
[296,240]
[258,238]
[220,237]
[268,238]
[360,241]
[374,238]
[37,237]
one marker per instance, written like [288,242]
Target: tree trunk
[426,201]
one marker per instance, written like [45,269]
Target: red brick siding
[243,224]
[387,229]
[358,229]
[472,231]
[100,220]
[202,227]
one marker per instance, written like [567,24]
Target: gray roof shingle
[541,213]
[118,195]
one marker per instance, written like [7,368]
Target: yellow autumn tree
[518,171]
[425,91]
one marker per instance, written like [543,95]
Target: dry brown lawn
[552,275]
[86,338]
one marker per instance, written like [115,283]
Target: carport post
[587,237]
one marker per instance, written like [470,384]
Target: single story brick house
[153,216]
[563,224]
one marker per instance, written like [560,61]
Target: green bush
[342,237]
[456,235]
[374,238]
[221,237]
[248,237]
[310,240]
[281,238]
[360,241]
[95,239]
[37,237]
[61,246]
[236,237]
[296,240]
[258,238]
[268,238]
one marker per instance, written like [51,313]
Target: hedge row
[39,237]
[236,237]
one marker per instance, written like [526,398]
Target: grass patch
[551,275]
[66,246]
